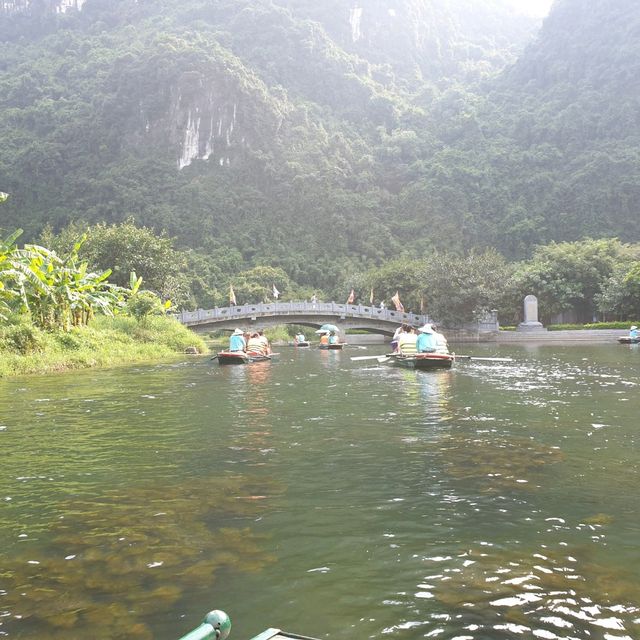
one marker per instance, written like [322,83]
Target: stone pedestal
[531,316]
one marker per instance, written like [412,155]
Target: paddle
[457,357]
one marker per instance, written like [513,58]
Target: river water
[332,498]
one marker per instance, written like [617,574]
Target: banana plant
[10,277]
[59,292]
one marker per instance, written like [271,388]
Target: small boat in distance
[331,347]
[302,343]
[628,340]
[241,357]
[424,361]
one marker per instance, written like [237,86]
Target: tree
[570,275]
[620,296]
[9,274]
[459,289]
[125,248]
[256,284]
[57,291]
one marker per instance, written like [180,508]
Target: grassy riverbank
[105,342]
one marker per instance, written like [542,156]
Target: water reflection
[331,359]
[435,391]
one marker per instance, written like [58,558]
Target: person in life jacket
[237,341]
[333,338]
[426,339]
[324,339]
[255,345]
[264,341]
[407,341]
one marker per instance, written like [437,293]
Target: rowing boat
[240,357]
[278,634]
[302,343]
[332,347]
[391,356]
[627,340]
[424,361]
[217,626]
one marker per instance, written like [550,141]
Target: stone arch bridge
[308,314]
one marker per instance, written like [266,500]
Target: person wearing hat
[237,341]
[426,339]
[633,332]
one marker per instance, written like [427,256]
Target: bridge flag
[276,293]
[396,301]
[232,295]
[371,296]
[352,297]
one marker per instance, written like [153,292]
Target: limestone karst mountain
[322,136]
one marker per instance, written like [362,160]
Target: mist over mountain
[322,137]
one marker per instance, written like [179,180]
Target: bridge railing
[330,309]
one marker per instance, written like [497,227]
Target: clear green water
[333,498]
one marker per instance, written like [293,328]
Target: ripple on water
[546,593]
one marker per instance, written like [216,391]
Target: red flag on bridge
[396,301]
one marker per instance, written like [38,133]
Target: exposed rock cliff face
[423,38]
[204,106]
[205,116]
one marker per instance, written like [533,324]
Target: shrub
[23,338]
[144,304]
[593,325]
[69,341]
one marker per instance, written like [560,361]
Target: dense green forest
[321,141]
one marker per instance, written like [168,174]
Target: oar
[378,358]
[458,357]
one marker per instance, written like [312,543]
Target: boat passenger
[333,338]
[396,336]
[426,339]
[407,342]
[237,341]
[442,346]
[255,344]
[324,339]
[264,341]
[299,338]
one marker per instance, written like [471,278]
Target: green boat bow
[217,626]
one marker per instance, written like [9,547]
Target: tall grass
[105,342]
